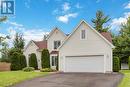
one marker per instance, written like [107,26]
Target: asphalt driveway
[74,80]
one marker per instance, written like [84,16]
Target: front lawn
[126,80]
[13,77]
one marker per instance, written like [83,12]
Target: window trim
[81,34]
[54,45]
[53,58]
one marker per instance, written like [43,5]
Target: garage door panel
[84,64]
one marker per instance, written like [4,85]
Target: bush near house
[22,60]
[116,64]
[45,58]
[28,69]
[15,65]
[47,70]
[33,61]
[129,62]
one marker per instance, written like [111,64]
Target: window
[56,44]
[54,60]
[83,34]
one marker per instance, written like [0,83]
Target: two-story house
[83,50]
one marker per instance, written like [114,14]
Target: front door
[54,61]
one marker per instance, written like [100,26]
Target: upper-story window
[83,34]
[56,44]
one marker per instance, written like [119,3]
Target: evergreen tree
[122,42]
[19,41]
[45,58]
[33,61]
[99,21]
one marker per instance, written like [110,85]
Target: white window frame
[81,34]
[54,44]
[55,59]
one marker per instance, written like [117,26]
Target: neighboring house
[84,50]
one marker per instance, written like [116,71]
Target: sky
[34,18]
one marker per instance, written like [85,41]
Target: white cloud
[15,24]
[66,6]
[28,34]
[127,6]
[34,34]
[65,18]
[27,3]
[116,22]
[78,6]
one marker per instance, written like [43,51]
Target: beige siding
[93,45]
[32,48]
[57,35]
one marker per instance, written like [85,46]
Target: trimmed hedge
[45,58]
[33,61]
[116,64]
[22,60]
[15,65]
[47,70]
[129,62]
[28,69]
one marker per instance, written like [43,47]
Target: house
[84,50]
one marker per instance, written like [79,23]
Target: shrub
[28,69]
[116,64]
[7,60]
[15,65]
[33,61]
[47,70]
[22,60]
[129,62]
[45,58]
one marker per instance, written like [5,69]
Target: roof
[107,35]
[54,52]
[103,36]
[41,44]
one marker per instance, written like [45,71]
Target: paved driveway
[74,80]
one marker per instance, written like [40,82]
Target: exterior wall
[32,48]
[57,35]
[93,45]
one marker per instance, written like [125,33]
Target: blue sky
[34,18]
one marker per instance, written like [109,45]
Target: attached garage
[88,63]
[86,50]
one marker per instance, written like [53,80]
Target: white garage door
[84,63]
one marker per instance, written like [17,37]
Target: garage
[88,63]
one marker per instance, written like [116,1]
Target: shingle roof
[41,44]
[107,35]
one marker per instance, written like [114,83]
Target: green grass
[13,77]
[126,80]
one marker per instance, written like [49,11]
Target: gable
[85,25]
[54,32]
[92,44]
[55,35]
[31,46]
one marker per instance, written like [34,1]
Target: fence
[4,66]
